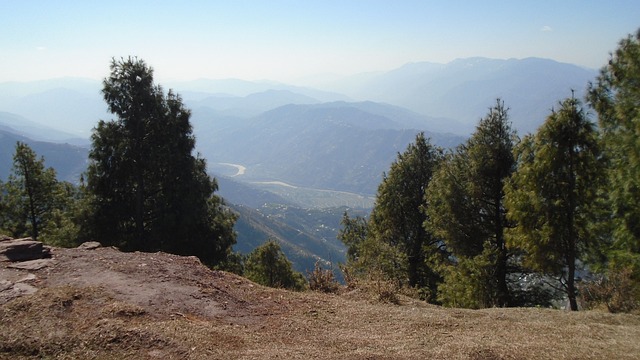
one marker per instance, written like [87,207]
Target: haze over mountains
[322,148]
[465,88]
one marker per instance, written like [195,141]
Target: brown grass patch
[113,319]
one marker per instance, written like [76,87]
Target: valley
[291,159]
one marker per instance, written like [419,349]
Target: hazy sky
[289,40]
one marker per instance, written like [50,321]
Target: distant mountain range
[291,159]
[458,93]
[312,138]
[464,89]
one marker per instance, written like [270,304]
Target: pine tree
[397,217]
[32,194]
[149,192]
[553,193]
[616,98]
[465,204]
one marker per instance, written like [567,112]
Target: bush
[618,291]
[267,265]
[322,280]
[349,278]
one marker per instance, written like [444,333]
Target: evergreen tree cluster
[504,221]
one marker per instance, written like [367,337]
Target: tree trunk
[503,297]
[571,287]
[501,276]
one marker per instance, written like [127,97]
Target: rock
[5,285]
[24,289]
[89,245]
[10,291]
[28,277]
[22,250]
[31,264]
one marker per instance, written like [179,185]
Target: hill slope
[464,89]
[336,146]
[69,161]
[111,305]
[305,235]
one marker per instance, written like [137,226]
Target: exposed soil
[104,304]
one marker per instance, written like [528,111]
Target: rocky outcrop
[21,254]
[22,249]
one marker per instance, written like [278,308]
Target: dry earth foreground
[98,303]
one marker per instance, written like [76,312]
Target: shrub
[322,280]
[267,265]
[618,291]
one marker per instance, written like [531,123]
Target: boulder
[89,245]
[22,250]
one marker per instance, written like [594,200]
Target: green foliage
[372,265]
[397,243]
[233,263]
[35,204]
[553,196]
[615,96]
[467,281]
[267,265]
[63,226]
[381,258]
[148,191]
[465,207]
[352,234]
[30,192]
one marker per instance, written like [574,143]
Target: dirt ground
[104,304]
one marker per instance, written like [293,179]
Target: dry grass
[73,323]
[133,310]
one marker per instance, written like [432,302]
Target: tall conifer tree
[553,193]
[616,98]
[32,193]
[465,204]
[150,192]
[397,219]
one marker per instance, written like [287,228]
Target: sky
[297,41]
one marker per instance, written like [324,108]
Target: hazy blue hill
[465,89]
[333,146]
[64,109]
[242,88]
[252,104]
[21,126]
[410,119]
[68,160]
[453,95]
[13,89]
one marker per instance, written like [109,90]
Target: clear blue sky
[290,39]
